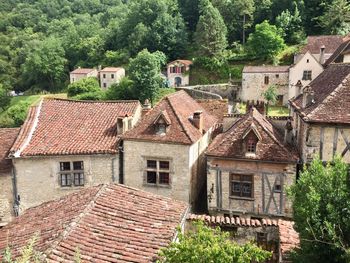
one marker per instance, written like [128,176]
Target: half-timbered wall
[266,199]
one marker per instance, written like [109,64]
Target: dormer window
[162,123]
[251,138]
[161,128]
[251,145]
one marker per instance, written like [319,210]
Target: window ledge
[242,198]
[157,185]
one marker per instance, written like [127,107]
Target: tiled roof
[270,147]
[82,70]
[331,96]
[111,69]
[183,61]
[7,138]
[289,238]
[339,51]
[266,69]
[179,108]
[314,44]
[108,223]
[65,127]
[217,108]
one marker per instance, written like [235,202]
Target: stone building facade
[81,73]
[67,145]
[7,193]
[321,115]
[250,165]
[111,75]
[256,80]
[163,154]
[178,72]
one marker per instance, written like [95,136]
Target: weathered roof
[314,44]
[183,61]
[266,69]
[331,96]
[65,127]
[289,238]
[217,108]
[7,138]
[343,47]
[270,147]
[179,108]
[111,69]
[107,223]
[82,70]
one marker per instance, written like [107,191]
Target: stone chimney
[308,96]
[322,49]
[147,107]
[299,87]
[198,120]
[288,134]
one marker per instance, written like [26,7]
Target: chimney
[322,54]
[308,96]
[288,134]
[147,107]
[299,87]
[198,120]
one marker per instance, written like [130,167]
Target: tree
[18,112]
[321,205]
[270,95]
[84,85]
[266,41]
[121,91]
[291,26]
[336,19]
[5,99]
[206,244]
[210,35]
[144,71]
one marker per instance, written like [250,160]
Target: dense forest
[42,40]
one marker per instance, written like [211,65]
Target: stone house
[249,167]
[178,72]
[342,53]
[107,223]
[111,75]
[321,47]
[67,145]
[163,154]
[302,73]
[81,73]
[7,138]
[256,80]
[322,115]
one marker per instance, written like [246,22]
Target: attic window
[251,145]
[250,140]
[161,123]
[161,128]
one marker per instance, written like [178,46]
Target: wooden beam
[335,141]
[347,148]
[321,142]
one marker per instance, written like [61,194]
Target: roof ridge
[177,117]
[331,58]
[91,101]
[328,97]
[76,220]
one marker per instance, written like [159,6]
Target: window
[277,188]
[104,76]
[307,75]
[112,76]
[241,185]
[266,80]
[307,61]
[277,76]
[251,145]
[104,85]
[158,172]
[72,173]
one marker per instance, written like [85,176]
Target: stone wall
[6,198]
[38,177]
[253,85]
[228,91]
[198,94]
[264,175]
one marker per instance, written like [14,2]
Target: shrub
[18,112]
[85,85]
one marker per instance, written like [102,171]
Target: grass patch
[277,111]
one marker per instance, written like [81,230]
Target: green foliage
[124,90]
[145,71]
[211,31]
[93,95]
[206,245]
[265,42]
[270,94]
[291,26]
[321,205]
[163,92]
[18,112]
[336,19]
[85,85]
[5,99]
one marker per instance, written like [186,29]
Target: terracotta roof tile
[111,69]
[60,127]
[266,69]
[108,223]
[179,108]
[229,144]
[217,108]
[82,70]
[289,238]
[344,47]
[314,44]
[7,138]
[331,95]
[183,61]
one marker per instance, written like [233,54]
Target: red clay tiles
[7,138]
[108,223]
[314,44]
